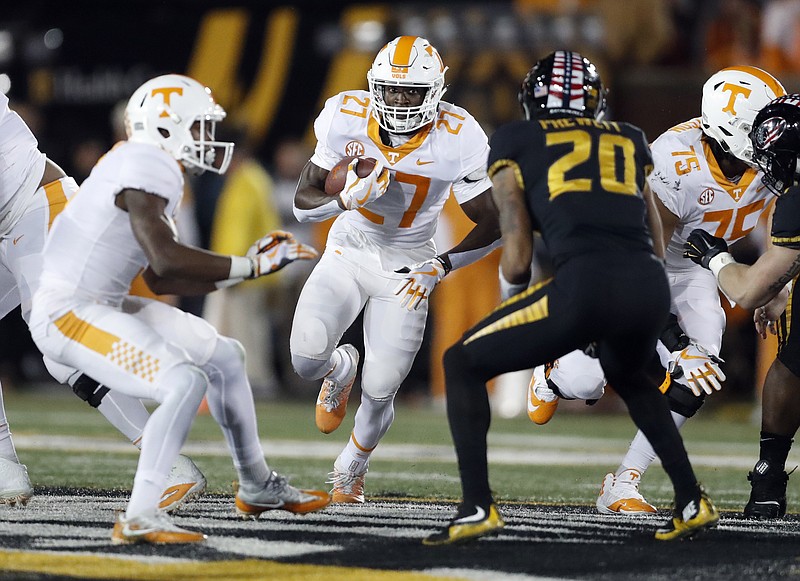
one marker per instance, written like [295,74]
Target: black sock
[775,449]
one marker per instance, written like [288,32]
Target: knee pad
[381,382]
[186,378]
[227,360]
[682,401]
[577,376]
[89,390]
[309,338]
[227,350]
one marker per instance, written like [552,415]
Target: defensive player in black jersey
[776,146]
[580,181]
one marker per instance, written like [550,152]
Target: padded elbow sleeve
[682,401]
[89,390]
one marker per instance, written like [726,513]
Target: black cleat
[768,494]
[470,523]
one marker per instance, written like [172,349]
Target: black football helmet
[563,83]
[776,142]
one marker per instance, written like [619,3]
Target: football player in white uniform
[704,177]
[380,256]
[119,224]
[34,191]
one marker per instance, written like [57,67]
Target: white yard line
[543,454]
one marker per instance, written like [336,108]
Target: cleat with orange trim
[184,483]
[278,494]
[542,401]
[333,395]
[694,518]
[15,486]
[620,495]
[470,523]
[348,486]
[155,529]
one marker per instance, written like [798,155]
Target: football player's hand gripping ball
[701,247]
[417,286]
[275,250]
[358,192]
[697,368]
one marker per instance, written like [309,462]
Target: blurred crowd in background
[68,71]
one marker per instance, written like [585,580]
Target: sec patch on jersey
[337,177]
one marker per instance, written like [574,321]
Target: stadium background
[272,65]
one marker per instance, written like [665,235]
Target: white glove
[697,368]
[275,250]
[417,286]
[358,191]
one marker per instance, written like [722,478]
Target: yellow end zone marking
[97,567]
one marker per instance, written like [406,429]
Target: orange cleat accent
[542,402]
[333,396]
[184,483]
[157,529]
[348,486]
[620,495]
[278,494]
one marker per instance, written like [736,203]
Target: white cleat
[620,495]
[15,486]
[184,483]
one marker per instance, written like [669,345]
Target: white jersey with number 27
[424,169]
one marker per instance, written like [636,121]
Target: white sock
[354,458]
[640,453]
[340,365]
[7,450]
[253,476]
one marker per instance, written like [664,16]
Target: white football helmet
[731,99]
[164,111]
[407,61]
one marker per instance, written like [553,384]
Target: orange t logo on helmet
[167,92]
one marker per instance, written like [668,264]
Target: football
[337,177]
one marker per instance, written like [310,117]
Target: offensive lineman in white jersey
[33,191]
[704,177]
[380,256]
[120,223]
